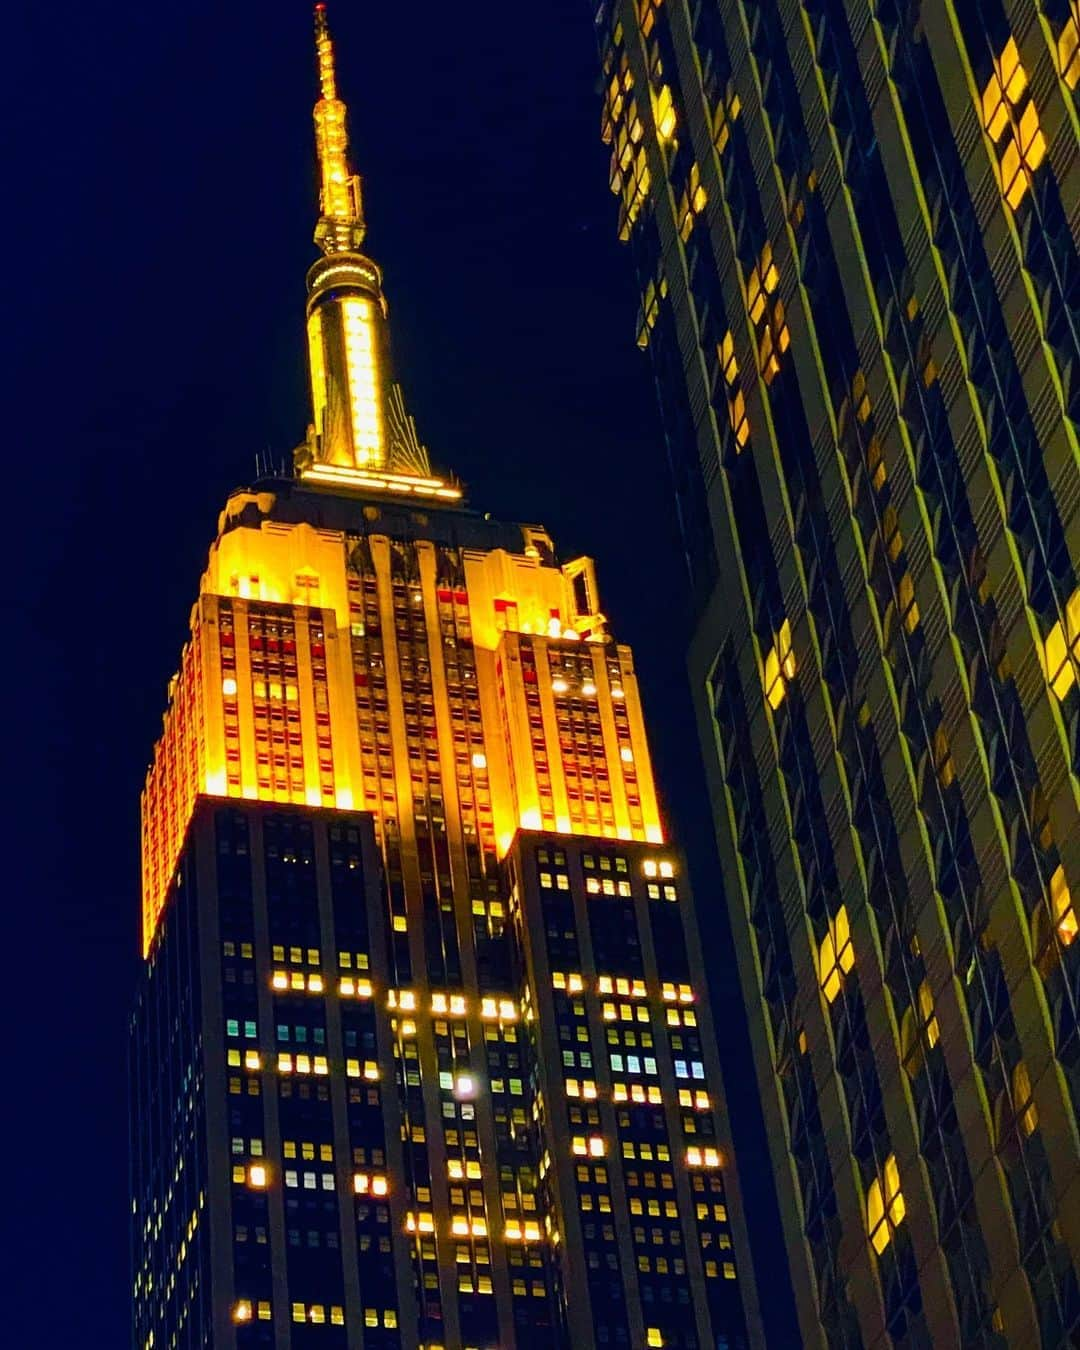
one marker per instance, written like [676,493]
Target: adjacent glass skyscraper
[422,1054]
[855,229]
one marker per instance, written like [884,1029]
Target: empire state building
[422,1053]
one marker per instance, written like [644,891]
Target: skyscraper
[421,1054]
[855,232]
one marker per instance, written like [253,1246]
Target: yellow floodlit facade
[287,681]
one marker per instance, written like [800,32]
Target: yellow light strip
[381,482]
[317,366]
[360,362]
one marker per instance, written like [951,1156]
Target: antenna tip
[322,22]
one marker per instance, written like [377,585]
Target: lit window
[664,114]
[1068,46]
[726,113]
[740,423]
[691,203]
[698,196]
[650,312]
[764,278]
[779,667]
[767,313]
[1012,123]
[613,107]
[875,463]
[884,1205]
[647,15]
[860,397]
[906,605]
[635,185]
[890,533]
[919,1030]
[775,339]
[836,956]
[1061,906]
[1061,649]
[927,1015]
[702,1157]
[1024,1108]
[943,763]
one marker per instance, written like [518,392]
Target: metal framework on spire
[341,222]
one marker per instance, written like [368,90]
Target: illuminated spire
[341,222]
[360,434]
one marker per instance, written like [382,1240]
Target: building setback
[855,233]
[422,1053]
